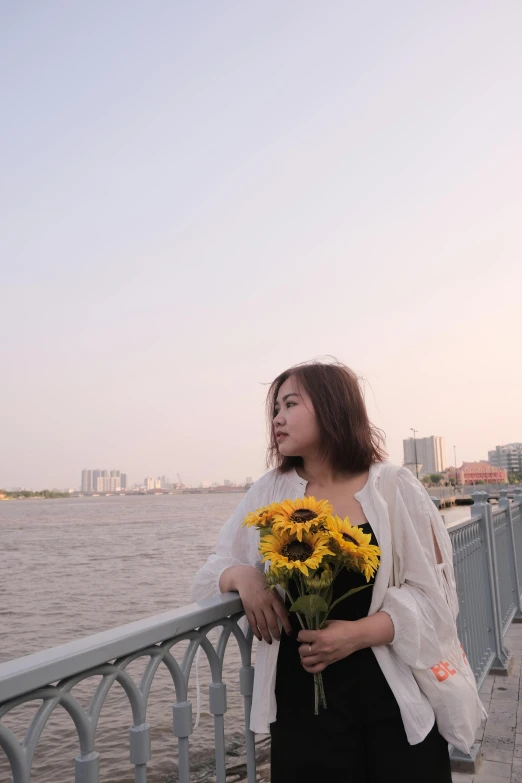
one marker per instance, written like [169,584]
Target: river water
[73,567]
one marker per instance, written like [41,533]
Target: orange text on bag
[442,671]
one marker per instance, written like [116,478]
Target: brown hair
[348,440]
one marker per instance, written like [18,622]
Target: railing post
[139,746]
[87,768]
[503,659]
[504,503]
[218,707]
[246,685]
[182,724]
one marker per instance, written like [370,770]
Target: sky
[196,196]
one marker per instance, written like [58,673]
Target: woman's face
[295,424]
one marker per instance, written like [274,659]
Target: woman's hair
[348,440]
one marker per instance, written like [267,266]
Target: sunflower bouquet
[307,546]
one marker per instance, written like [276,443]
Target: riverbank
[33,495]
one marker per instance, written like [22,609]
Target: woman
[378,725]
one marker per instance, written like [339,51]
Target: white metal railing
[50,676]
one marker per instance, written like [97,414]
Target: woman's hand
[338,639]
[264,608]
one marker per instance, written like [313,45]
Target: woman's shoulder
[408,486]
[404,475]
[272,481]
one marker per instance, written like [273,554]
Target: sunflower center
[297,550]
[303,515]
[350,538]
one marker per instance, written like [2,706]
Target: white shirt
[423,609]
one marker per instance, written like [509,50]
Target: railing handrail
[22,675]
[451,527]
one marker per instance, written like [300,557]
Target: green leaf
[309,605]
[346,595]
[356,590]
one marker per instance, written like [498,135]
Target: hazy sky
[196,195]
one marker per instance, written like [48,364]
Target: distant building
[149,482]
[473,472]
[508,457]
[87,485]
[91,481]
[108,484]
[227,483]
[95,476]
[429,452]
[248,481]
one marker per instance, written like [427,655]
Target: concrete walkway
[501,736]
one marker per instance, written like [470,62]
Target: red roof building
[472,472]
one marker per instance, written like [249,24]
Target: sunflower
[263,517]
[300,515]
[275,577]
[320,579]
[287,553]
[354,546]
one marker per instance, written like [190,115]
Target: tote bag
[449,686]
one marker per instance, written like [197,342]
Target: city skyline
[193,203]
[508,456]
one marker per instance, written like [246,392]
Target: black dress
[360,737]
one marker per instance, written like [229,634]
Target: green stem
[297,613]
[322,694]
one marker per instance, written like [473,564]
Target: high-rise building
[87,485]
[248,481]
[227,483]
[115,473]
[108,484]
[508,457]
[123,480]
[95,476]
[430,453]
[149,482]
